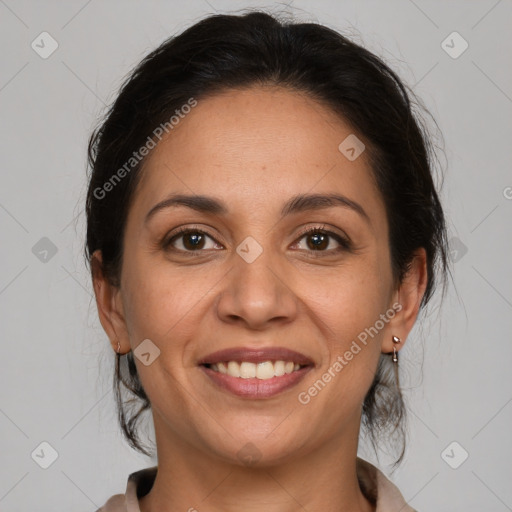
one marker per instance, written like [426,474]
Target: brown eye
[320,241]
[190,240]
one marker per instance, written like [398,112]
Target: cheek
[350,298]
[163,303]
[347,307]
[154,301]
[351,355]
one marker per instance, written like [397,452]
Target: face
[230,280]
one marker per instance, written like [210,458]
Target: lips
[247,372]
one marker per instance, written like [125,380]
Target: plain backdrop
[57,363]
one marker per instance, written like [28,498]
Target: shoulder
[116,503]
[139,483]
[380,489]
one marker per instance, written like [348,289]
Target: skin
[253,149]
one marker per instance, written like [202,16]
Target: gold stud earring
[118,347]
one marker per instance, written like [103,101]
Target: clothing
[374,485]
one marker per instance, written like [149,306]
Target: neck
[325,478]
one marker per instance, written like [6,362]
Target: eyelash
[345,244]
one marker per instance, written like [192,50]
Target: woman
[263,230]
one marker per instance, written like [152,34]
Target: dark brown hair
[234,51]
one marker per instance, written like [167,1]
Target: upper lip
[256,355]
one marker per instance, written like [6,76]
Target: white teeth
[263,371]
[234,369]
[247,370]
[279,368]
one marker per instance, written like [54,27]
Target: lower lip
[256,388]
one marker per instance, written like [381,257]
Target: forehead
[256,147]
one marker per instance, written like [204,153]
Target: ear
[110,307]
[409,295]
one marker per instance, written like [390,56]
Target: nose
[257,294]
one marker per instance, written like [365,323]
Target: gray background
[57,363]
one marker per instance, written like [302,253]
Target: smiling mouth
[255,373]
[264,370]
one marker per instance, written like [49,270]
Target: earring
[118,347]
[397,340]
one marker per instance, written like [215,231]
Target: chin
[259,447]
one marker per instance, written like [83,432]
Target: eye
[320,240]
[189,240]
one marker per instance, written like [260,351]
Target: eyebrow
[296,204]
